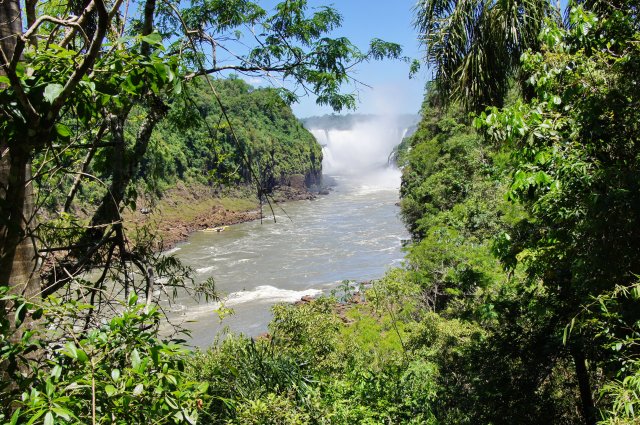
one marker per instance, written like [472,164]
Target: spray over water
[356,149]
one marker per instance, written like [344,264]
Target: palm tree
[474,46]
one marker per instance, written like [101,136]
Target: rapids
[354,233]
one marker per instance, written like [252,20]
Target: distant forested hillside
[196,140]
[195,144]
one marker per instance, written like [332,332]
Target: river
[354,233]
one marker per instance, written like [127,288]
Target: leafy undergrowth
[368,362]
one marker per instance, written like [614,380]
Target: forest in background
[194,145]
[518,302]
[519,299]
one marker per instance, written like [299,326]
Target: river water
[354,233]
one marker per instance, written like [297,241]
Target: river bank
[184,210]
[353,234]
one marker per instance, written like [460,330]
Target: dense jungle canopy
[518,302]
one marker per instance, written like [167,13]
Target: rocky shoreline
[184,211]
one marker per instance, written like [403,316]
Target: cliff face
[313,177]
[311,180]
[300,166]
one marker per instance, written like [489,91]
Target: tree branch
[64,22]
[85,166]
[240,68]
[16,85]
[80,21]
[87,62]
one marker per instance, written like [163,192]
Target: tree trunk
[125,164]
[18,261]
[586,398]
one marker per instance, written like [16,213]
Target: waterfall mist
[357,148]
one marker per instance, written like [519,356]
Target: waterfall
[360,152]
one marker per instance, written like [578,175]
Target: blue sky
[392,91]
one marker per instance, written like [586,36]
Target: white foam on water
[261,294]
[172,250]
[205,269]
[268,293]
[388,178]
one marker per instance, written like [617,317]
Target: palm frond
[474,46]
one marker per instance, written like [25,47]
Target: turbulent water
[354,233]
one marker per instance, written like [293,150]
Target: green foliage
[84,95]
[241,371]
[610,317]
[119,373]
[452,202]
[575,159]
[574,169]
[329,362]
[270,410]
[474,46]
[519,295]
[197,141]
[309,332]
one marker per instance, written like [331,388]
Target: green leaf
[71,350]
[135,359]
[161,71]
[49,388]
[15,416]
[63,131]
[21,312]
[172,379]
[56,371]
[37,314]
[190,418]
[110,390]
[82,356]
[48,418]
[63,413]
[138,390]
[155,356]
[170,401]
[115,374]
[153,38]
[35,417]
[52,91]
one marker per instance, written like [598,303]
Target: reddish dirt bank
[184,210]
[176,230]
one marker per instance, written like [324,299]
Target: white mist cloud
[361,152]
[364,147]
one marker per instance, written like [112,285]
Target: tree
[474,46]
[575,170]
[120,372]
[81,74]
